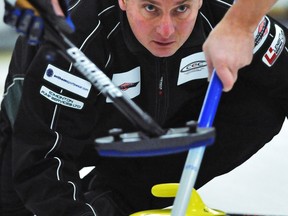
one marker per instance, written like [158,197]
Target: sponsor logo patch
[261,33]
[67,81]
[276,47]
[61,99]
[126,86]
[193,67]
[128,82]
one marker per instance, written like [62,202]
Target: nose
[165,27]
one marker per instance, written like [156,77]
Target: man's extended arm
[229,46]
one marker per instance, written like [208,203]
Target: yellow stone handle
[27,5]
[196,205]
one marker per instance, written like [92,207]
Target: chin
[162,53]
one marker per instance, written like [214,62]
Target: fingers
[226,61]
[210,66]
[227,76]
[24,18]
[57,8]
[26,23]
[36,31]
[226,71]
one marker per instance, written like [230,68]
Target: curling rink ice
[258,186]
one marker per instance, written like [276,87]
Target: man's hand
[21,15]
[24,21]
[229,47]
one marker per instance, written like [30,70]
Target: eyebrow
[156,3]
[184,1]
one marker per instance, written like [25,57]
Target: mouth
[164,43]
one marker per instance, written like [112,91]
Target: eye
[150,8]
[182,8]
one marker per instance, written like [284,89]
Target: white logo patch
[261,33]
[128,82]
[276,47]
[61,99]
[193,67]
[67,81]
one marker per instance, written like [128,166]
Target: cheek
[140,24]
[185,28]
[140,28]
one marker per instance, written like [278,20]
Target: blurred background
[259,186]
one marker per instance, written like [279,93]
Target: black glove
[28,22]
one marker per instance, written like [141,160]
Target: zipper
[160,87]
[162,94]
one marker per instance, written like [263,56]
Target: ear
[122,4]
[200,3]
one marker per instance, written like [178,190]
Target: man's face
[162,26]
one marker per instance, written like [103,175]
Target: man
[159,38]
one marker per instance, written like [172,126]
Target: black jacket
[60,114]
[10,203]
